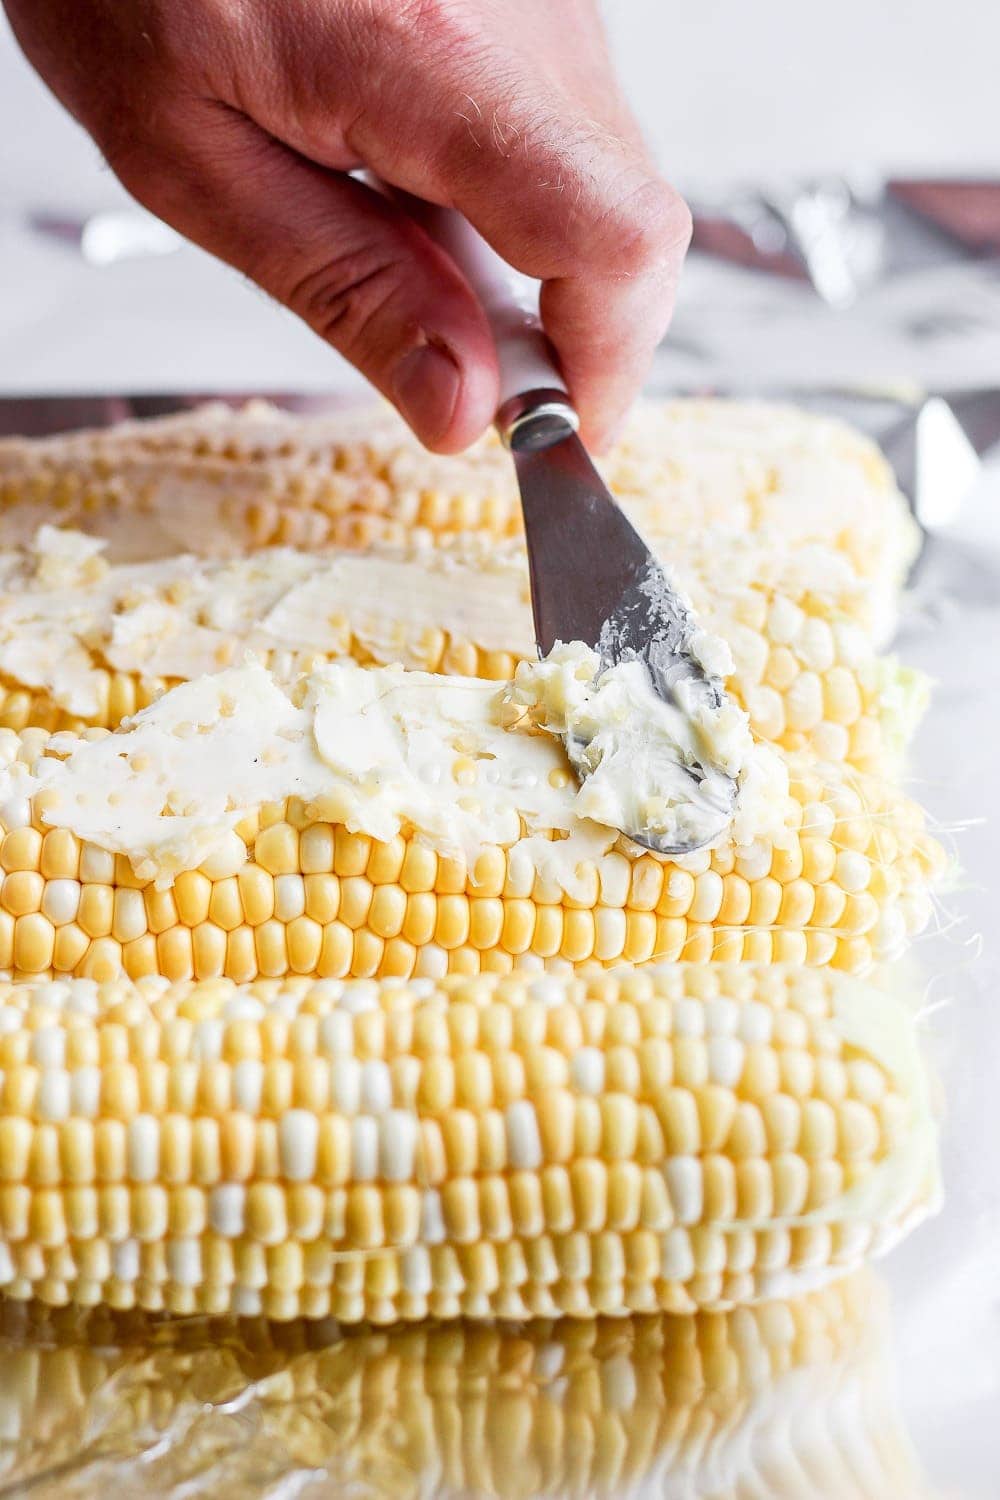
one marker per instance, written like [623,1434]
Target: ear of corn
[290,892]
[798,1392]
[85,644]
[676,1138]
[223,482]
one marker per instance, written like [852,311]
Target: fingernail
[425,388]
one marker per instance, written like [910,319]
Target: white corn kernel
[432,1226]
[289,897]
[524,1144]
[298,1136]
[364,1148]
[336,1033]
[184,1261]
[725,1060]
[689,1018]
[248,1085]
[684,1184]
[61,901]
[48,1047]
[206,1044]
[226,1209]
[587,1070]
[85,1092]
[125,1260]
[415,1271]
[143,1147]
[54,1093]
[397,1131]
[676,1255]
[376,1086]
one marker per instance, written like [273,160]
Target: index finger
[531,143]
[585,212]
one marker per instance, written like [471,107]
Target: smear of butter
[374,748]
[67,617]
[636,748]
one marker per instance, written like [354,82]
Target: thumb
[350,263]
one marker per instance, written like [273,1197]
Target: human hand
[237,122]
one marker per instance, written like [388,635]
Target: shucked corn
[220,482]
[85,644]
[675,1138]
[293,894]
[792,1395]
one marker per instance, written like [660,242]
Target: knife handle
[534,408]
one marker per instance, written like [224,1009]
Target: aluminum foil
[789,1401]
[844,234]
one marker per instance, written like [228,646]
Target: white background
[722,86]
[747,87]
[727,89]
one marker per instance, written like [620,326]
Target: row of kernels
[436,650]
[119,695]
[334,947]
[846,818]
[555,1127]
[302,846]
[628,1033]
[655,1356]
[621,1005]
[798,708]
[216,1261]
[546,1016]
[577,1276]
[678,1256]
[348,1306]
[272,524]
[348,1157]
[335,951]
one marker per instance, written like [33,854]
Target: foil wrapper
[793,1400]
[844,234]
[788,1400]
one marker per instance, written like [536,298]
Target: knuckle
[386,31]
[345,299]
[148,154]
[649,228]
[413,18]
[127,153]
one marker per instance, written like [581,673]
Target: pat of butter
[635,747]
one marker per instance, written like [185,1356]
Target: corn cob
[83,644]
[843,878]
[675,1138]
[699,1406]
[223,482]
